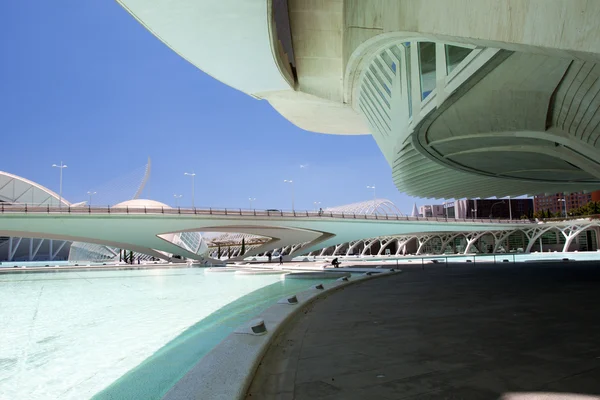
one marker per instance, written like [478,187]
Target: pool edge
[227,371]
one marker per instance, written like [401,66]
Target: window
[454,56]
[428,66]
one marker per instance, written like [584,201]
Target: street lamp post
[251,199]
[492,208]
[193,175]
[61,166]
[374,196]
[177,197]
[510,208]
[317,204]
[90,194]
[291,183]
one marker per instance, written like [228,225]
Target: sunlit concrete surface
[458,332]
[475,99]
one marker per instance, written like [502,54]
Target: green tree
[131,256]
[219,252]
[243,251]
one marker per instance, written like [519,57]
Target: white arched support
[337,249]
[402,243]
[534,234]
[572,231]
[352,246]
[385,242]
[368,245]
[473,237]
[423,240]
[502,237]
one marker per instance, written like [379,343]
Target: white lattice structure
[18,190]
[230,244]
[370,207]
[189,241]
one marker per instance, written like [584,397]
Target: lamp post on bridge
[317,204]
[291,183]
[61,167]
[374,196]
[177,197]
[251,200]
[193,175]
[492,208]
[90,194]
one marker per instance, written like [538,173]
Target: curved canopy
[370,207]
[15,189]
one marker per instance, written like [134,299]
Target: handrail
[47,209]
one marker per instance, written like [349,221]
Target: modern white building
[465,99]
[17,190]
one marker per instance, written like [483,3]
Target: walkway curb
[227,371]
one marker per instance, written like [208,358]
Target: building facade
[560,202]
[432,211]
[490,208]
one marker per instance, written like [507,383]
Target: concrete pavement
[462,332]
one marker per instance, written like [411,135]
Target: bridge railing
[233,212]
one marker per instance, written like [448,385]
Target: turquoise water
[157,374]
[74,334]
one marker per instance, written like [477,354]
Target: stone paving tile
[443,333]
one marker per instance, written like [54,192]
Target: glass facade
[454,56]
[427,62]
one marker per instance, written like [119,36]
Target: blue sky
[83,82]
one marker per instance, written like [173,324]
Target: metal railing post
[225,211]
[240,211]
[210,210]
[145,211]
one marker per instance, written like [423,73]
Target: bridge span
[145,229]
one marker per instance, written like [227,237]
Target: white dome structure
[141,203]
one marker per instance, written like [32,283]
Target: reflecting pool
[70,335]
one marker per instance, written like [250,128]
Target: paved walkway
[461,332]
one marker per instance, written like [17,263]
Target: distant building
[489,208]
[554,202]
[432,211]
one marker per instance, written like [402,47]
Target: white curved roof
[16,189]
[369,207]
[228,39]
[140,203]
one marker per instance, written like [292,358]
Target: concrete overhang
[231,40]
